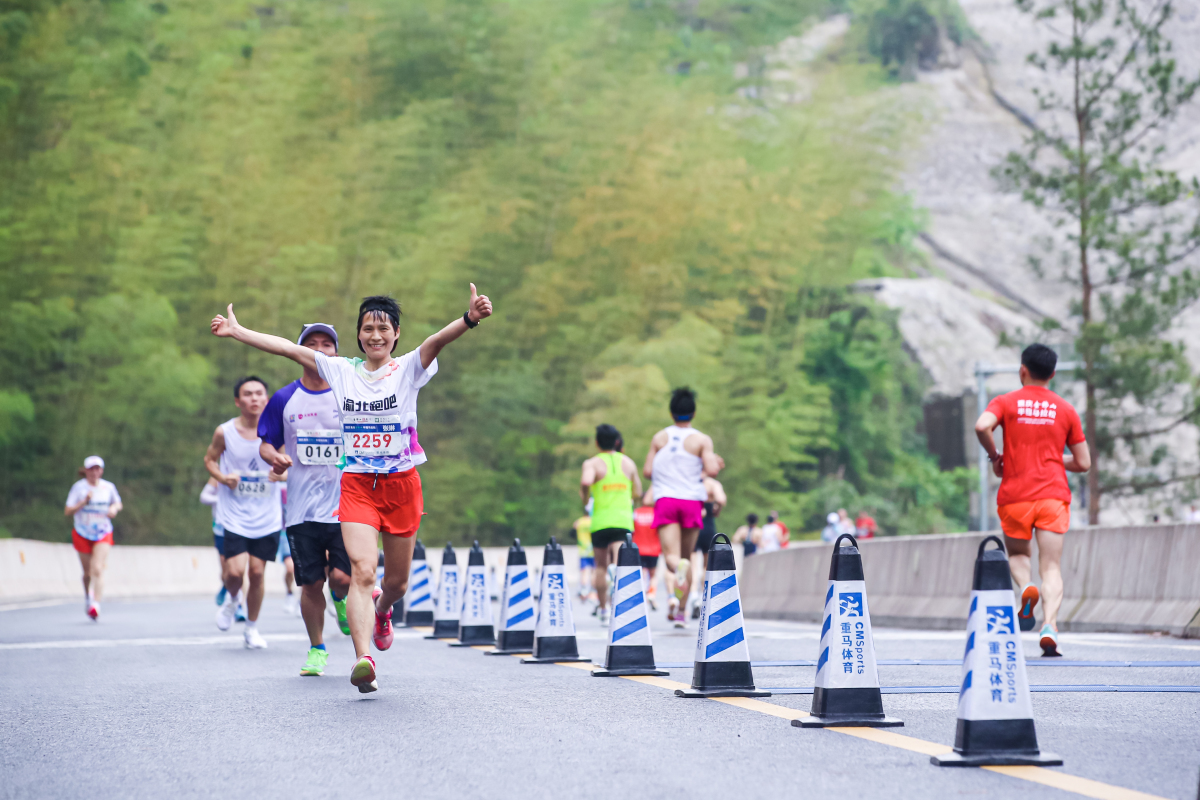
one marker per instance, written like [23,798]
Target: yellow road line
[1046,777]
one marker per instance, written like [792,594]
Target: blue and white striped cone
[722,667]
[475,622]
[445,614]
[418,598]
[554,634]
[516,606]
[847,686]
[629,649]
[995,711]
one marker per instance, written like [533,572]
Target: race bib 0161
[252,484]
[370,436]
[319,447]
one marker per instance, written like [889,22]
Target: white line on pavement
[72,644]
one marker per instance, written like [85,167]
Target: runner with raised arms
[381,490]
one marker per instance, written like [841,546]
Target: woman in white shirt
[93,502]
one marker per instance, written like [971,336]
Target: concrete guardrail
[1131,579]
[32,571]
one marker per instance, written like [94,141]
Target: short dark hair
[683,404]
[752,520]
[382,304]
[1040,361]
[237,387]
[607,437]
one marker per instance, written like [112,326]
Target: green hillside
[589,164]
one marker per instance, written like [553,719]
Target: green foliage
[159,161]
[1130,228]
[904,35]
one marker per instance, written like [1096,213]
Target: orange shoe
[1029,600]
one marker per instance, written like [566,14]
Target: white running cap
[317,327]
[832,518]
[93,461]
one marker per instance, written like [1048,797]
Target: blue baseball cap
[317,327]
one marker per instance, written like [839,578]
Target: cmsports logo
[1000,619]
[850,604]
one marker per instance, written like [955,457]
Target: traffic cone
[847,687]
[516,606]
[629,649]
[995,713]
[445,616]
[722,667]
[418,598]
[475,621]
[554,634]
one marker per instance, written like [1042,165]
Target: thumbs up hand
[480,306]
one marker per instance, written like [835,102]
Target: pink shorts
[684,513]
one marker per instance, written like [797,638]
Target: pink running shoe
[93,611]
[363,675]
[383,625]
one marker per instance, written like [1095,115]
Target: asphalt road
[153,701]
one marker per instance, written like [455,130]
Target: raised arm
[655,446]
[630,469]
[586,478]
[71,510]
[713,463]
[278,459]
[479,308]
[228,327]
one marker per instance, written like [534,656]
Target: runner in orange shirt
[1034,493]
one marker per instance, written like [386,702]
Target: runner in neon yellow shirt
[610,480]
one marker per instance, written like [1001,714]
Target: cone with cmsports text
[722,667]
[995,710]
[847,685]
[445,615]
[629,649]
[418,598]
[516,606]
[475,619]
[554,634]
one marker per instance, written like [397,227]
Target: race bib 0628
[252,484]
[319,447]
[370,436]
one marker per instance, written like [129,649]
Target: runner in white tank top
[380,487]
[248,506]
[679,458]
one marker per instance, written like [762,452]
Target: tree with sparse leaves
[1128,230]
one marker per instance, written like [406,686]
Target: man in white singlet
[248,506]
[302,436]
[680,457]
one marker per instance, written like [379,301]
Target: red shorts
[1019,519]
[83,545]
[388,502]
[685,513]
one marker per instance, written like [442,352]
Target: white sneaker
[254,640]
[225,613]
[291,605]
[603,615]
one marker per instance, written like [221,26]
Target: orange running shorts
[1019,519]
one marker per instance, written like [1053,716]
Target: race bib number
[319,447]
[95,516]
[369,436]
[253,484]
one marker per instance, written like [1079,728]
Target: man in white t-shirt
[93,502]
[381,490]
[302,437]
[249,508]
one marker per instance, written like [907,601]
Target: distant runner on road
[93,502]
[302,436]
[1034,493]
[248,506]
[715,501]
[587,556]
[381,490]
[649,549]
[679,458]
[610,481]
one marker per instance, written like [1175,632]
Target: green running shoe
[343,623]
[316,662]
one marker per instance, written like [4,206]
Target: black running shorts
[649,562]
[264,547]
[605,537]
[311,541]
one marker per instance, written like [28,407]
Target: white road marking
[230,638]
